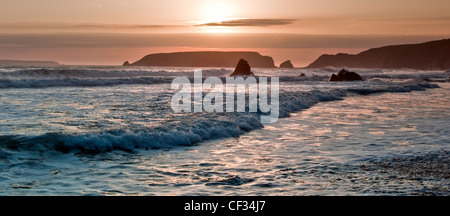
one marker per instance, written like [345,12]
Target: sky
[112,31]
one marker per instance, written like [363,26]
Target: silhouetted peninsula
[205,59]
[433,55]
[27,63]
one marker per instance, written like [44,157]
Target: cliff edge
[433,55]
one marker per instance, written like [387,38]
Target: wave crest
[190,129]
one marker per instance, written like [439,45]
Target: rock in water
[287,64]
[242,69]
[334,78]
[126,63]
[345,75]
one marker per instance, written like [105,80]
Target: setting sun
[217,11]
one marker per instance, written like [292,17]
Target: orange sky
[74,32]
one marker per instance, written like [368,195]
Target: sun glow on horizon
[218,30]
[216,12]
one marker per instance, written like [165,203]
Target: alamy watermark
[213,101]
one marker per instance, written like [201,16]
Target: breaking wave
[39,78]
[69,76]
[190,129]
[41,83]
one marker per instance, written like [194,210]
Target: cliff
[205,59]
[433,55]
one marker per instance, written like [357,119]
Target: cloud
[249,23]
[20,27]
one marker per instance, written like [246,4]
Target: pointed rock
[126,63]
[287,64]
[242,69]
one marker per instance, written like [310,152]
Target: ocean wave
[186,130]
[64,77]
[394,88]
[61,73]
[295,101]
[77,82]
[416,76]
[189,129]
[181,134]
[80,82]
[108,76]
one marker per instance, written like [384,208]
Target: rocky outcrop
[433,55]
[287,64]
[345,75]
[242,69]
[126,63]
[205,59]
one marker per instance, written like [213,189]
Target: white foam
[187,129]
[61,73]
[39,83]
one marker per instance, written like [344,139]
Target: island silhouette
[204,59]
[432,55]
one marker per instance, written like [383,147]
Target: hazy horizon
[102,32]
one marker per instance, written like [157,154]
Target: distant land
[204,59]
[433,55]
[27,63]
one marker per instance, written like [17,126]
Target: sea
[111,131]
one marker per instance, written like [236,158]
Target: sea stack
[345,75]
[126,63]
[242,69]
[287,64]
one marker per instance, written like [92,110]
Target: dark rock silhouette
[302,75]
[286,64]
[345,75]
[205,59]
[433,55]
[126,63]
[242,69]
